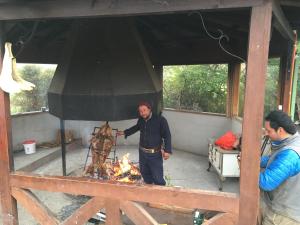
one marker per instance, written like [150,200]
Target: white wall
[237,125]
[190,131]
[40,126]
[84,129]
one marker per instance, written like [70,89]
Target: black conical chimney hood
[104,73]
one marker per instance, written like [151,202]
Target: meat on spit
[101,144]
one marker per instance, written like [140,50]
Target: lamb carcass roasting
[10,80]
[101,144]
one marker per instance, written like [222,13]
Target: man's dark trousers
[151,166]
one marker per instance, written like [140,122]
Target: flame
[117,171]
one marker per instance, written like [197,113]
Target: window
[200,88]
[271,91]
[28,101]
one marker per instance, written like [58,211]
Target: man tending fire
[155,143]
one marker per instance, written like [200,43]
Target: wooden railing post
[8,203]
[113,213]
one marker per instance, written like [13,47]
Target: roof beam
[281,23]
[83,8]
[290,3]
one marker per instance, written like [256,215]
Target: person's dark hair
[281,119]
[145,103]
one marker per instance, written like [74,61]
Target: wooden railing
[117,197]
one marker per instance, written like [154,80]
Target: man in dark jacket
[280,175]
[155,143]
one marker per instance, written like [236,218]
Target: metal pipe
[63,146]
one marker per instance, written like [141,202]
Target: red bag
[226,141]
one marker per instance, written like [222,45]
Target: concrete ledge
[50,157]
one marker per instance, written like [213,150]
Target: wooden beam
[85,212]
[137,213]
[236,72]
[282,76]
[8,203]
[221,219]
[112,210]
[259,36]
[33,205]
[295,3]
[83,8]
[194,54]
[282,24]
[233,84]
[288,79]
[191,199]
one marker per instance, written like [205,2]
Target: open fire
[119,170]
[122,170]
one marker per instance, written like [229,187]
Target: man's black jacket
[153,132]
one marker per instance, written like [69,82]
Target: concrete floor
[184,169]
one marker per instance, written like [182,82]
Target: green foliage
[27,101]
[204,87]
[196,87]
[271,91]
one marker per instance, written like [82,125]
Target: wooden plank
[112,210]
[85,212]
[34,206]
[83,8]
[282,24]
[259,37]
[137,213]
[234,71]
[171,208]
[8,204]
[222,219]
[186,198]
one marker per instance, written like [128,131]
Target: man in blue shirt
[154,145]
[279,178]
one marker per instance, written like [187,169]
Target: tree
[204,87]
[27,101]
[271,91]
[196,87]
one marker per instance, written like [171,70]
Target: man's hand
[165,155]
[120,133]
[239,159]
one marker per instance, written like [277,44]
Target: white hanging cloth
[10,80]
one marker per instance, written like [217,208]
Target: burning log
[101,144]
[122,171]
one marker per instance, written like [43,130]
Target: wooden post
[295,83]
[113,213]
[281,79]
[258,50]
[288,71]
[233,84]
[8,203]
